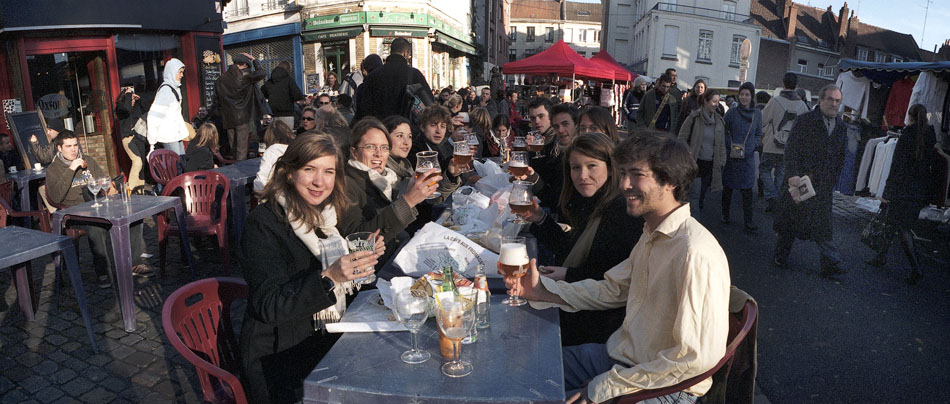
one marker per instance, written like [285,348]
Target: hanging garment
[897,103]
[855,92]
[929,92]
[885,171]
[866,161]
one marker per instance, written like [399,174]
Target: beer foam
[513,254]
[515,163]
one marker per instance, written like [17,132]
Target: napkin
[489,184]
[487,168]
[367,314]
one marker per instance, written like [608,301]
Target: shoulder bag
[737,150]
[873,234]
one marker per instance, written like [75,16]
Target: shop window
[268,53]
[705,46]
[530,35]
[141,57]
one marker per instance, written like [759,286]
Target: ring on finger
[356,271]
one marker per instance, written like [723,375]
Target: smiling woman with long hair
[601,234]
[297,270]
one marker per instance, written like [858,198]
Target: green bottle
[448,279]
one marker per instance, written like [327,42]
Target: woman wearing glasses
[371,186]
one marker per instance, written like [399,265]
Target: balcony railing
[703,12]
[236,12]
[272,5]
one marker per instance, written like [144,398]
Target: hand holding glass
[462,156]
[518,165]
[513,263]
[520,200]
[362,241]
[425,162]
[412,311]
[536,143]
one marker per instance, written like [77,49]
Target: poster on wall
[209,54]
[10,106]
[24,125]
[313,83]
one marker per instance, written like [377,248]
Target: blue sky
[905,16]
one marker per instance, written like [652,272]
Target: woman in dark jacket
[282,93]
[129,108]
[908,187]
[602,234]
[200,152]
[743,127]
[297,270]
[692,101]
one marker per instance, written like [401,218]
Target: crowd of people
[642,286]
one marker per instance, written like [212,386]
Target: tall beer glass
[513,263]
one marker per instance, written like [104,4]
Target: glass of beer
[518,165]
[520,200]
[472,139]
[463,155]
[456,317]
[362,241]
[536,143]
[519,143]
[513,263]
[425,162]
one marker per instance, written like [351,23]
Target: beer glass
[518,165]
[519,144]
[536,143]
[426,161]
[513,263]
[463,155]
[456,317]
[520,200]
[472,139]
[412,311]
[362,241]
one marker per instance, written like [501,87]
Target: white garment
[928,91]
[384,182]
[165,122]
[866,160]
[889,148]
[855,92]
[267,165]
[880,165]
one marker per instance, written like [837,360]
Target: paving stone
[146,379]
[49,394]
[62,376]
[115,384]
[46,368]
[76,364]
[130,339]
[18,373]
[165,388]
[140,359]
[70,346]
[34,383]
[115,334]
[6,362]
[78,386]
[121,368]
[5,384]
[14,350]
[56,339]
[15,396]
[95,374]
[122,351]
[98,395]
[148,346]
[57,356]
[29,359]
[99,360]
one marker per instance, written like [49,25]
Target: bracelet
[328,279]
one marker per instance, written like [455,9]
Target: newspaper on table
[367,314]
[435,245]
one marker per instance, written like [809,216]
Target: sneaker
[143,270]
[103,282]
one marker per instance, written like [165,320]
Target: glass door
[337,60]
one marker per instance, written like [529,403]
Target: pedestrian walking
[704,131]
[777,119]
[238,103]
[743,136]
[282,93]
[165,123]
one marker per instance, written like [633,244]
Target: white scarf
[384,182]
[328,251]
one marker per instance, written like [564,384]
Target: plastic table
[239,173]
[120,215]
[516,360]
[22,245]
[22,180]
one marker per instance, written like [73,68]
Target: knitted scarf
[384,182]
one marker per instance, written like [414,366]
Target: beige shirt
[675,285]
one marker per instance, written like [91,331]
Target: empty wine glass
[425,162]
[412,311]
[456,317]
[94,187]
[520,200]
[105,184]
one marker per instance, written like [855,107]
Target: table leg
[122,252]
[24,291]
[72,265]
[24,188]
[180,218]
[57,224]
[238,208]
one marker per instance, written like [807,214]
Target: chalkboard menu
[24,125]
[208,50]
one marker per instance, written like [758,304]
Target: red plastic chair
[6,200]
[206,211]
[738,330]
[164,165]
[197,322]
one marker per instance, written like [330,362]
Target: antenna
[923,31]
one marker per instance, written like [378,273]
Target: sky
[906,16]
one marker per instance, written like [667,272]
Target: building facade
[538,24]
[337,35]
[71,62]
[700,41]
[267,29]
[492,19]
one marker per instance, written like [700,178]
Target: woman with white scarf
[297,269]
[372,186]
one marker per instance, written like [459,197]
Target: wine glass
[456,317]
[362,241]
[513,263]
[412,311]
[536,143]
[520,200]
[462,156]
[518,165]
[94,187]
[426,161]
[105,184]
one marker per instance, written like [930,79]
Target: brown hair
[597,146]
[453,101]
[329,119]
[207,136]
[304,149]
[278,133]
[600,117]
[363,126]
[669,159]
[481,119]
[434,114]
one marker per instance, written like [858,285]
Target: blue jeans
[176,147]
[583,362]
[772,183]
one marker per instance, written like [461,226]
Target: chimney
[842,20]
[792,22]
[563,9]
[944,52]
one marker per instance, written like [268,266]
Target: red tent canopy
[559,59]
[608,62]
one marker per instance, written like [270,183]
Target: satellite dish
[745,49]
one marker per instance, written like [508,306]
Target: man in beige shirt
[675,286]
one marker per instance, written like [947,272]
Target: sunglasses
[306,118]
[323,103]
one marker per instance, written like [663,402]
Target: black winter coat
[383,93]
[281,92]
[278,345]
[910,182]
[237,97]
[374,211]
[128,114]
[810,151]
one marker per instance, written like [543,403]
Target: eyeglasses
[373,148]
[307,118]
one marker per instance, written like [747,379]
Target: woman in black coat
[297,270]
[908,187]
[129,108]
[602,234]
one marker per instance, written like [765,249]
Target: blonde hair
[207,136]
[278,132]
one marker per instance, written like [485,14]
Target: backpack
[784,127]
[416,105]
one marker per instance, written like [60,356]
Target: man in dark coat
[282,92]
[816,148]
[663,101]
[238,103]
[383,92]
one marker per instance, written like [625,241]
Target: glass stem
[455,350]
[412,340]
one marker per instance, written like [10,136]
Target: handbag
[737,150]
[874,233]
[140,127]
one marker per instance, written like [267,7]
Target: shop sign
[397,18]
[455,43]
[313,83]
[53,105]
[340,33]
[335,20]
[399,32]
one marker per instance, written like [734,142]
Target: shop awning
[329,34]
[888,73]
[403,32]
[454,43]
[608,62]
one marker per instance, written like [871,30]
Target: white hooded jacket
[165,122]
